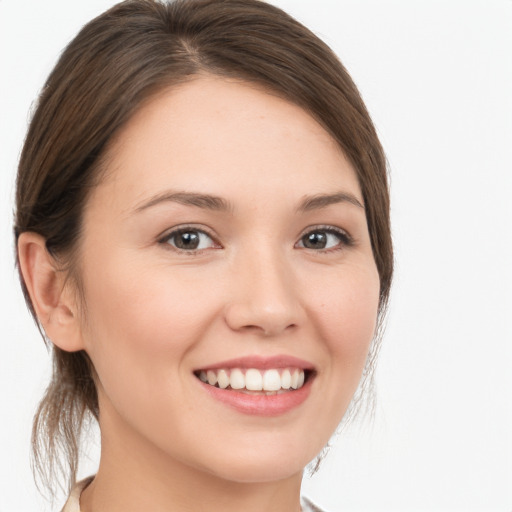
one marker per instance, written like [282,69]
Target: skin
[152,314]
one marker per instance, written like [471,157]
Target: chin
[254,472]
[263,464]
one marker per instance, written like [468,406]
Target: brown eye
[324,239]
[316,240]
[189,240]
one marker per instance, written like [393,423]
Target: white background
[437,79]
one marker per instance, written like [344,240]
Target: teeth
[223,379]
[300,383]
[271,382]
[212,377]
[253,380]
[295,379]
[286,379]
[237,379]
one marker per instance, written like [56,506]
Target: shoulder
[73,502]
[308,505]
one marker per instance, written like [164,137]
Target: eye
[322,239]
[189,239]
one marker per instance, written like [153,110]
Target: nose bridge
[265,298]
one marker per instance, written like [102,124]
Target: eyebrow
[215,203]
[320,201]
[205,201]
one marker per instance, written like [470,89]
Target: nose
[265,298]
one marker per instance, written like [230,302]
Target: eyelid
[346,239]
[183,228]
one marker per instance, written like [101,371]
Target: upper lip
[261,363]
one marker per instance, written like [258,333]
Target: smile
[271,381]
[259,386]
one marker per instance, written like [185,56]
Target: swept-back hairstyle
[120,60]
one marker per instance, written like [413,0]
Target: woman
[203,237]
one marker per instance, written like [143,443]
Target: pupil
[188,240]
[315,241]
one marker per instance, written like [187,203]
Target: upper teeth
[253,379]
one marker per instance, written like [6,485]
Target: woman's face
[228,242]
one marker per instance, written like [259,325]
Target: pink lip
[261,405]
[261,363]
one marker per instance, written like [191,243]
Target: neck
[132,489]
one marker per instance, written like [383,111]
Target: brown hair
[123,58]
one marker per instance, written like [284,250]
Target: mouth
[259,386]
[255,381]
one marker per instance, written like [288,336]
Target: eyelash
[345,240]
[164,240]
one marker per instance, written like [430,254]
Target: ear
[52,295]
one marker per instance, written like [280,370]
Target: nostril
[267,331]
[263,313]
[270,332]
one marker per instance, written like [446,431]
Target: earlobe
[54,303]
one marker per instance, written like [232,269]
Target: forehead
[228,138]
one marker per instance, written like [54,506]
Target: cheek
[140,321]
[343,310]
[346,315]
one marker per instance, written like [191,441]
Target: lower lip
[260,405]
